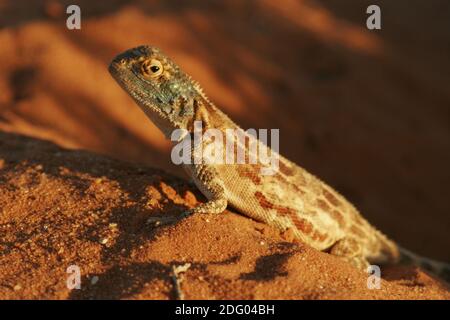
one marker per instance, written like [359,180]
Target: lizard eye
[152,68]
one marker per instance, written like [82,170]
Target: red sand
[63,208]
[366,111]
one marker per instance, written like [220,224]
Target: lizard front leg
[207,179]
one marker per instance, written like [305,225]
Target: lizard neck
[210,116]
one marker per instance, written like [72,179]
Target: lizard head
[162,90]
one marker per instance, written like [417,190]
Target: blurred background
[367,111]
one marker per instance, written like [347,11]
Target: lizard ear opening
[152,68]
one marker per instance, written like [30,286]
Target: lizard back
[292,198]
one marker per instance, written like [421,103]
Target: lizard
[289,199]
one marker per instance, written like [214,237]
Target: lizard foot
[350,250]
[212,206]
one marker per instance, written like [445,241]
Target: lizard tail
[437,268]
[391,253]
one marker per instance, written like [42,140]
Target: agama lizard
[291,198]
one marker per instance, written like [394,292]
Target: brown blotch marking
[319,236]
[285,211]
[284,181]
[301,224]
[335,214]
[331,197]
[285,169]
[245,171]
[323,205]
[338,217]
[266,204]
[263,202]
[357,231]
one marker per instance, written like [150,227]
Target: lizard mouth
[125,78]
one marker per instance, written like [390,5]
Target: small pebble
[94,280]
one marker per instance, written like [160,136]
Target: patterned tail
[439,269]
